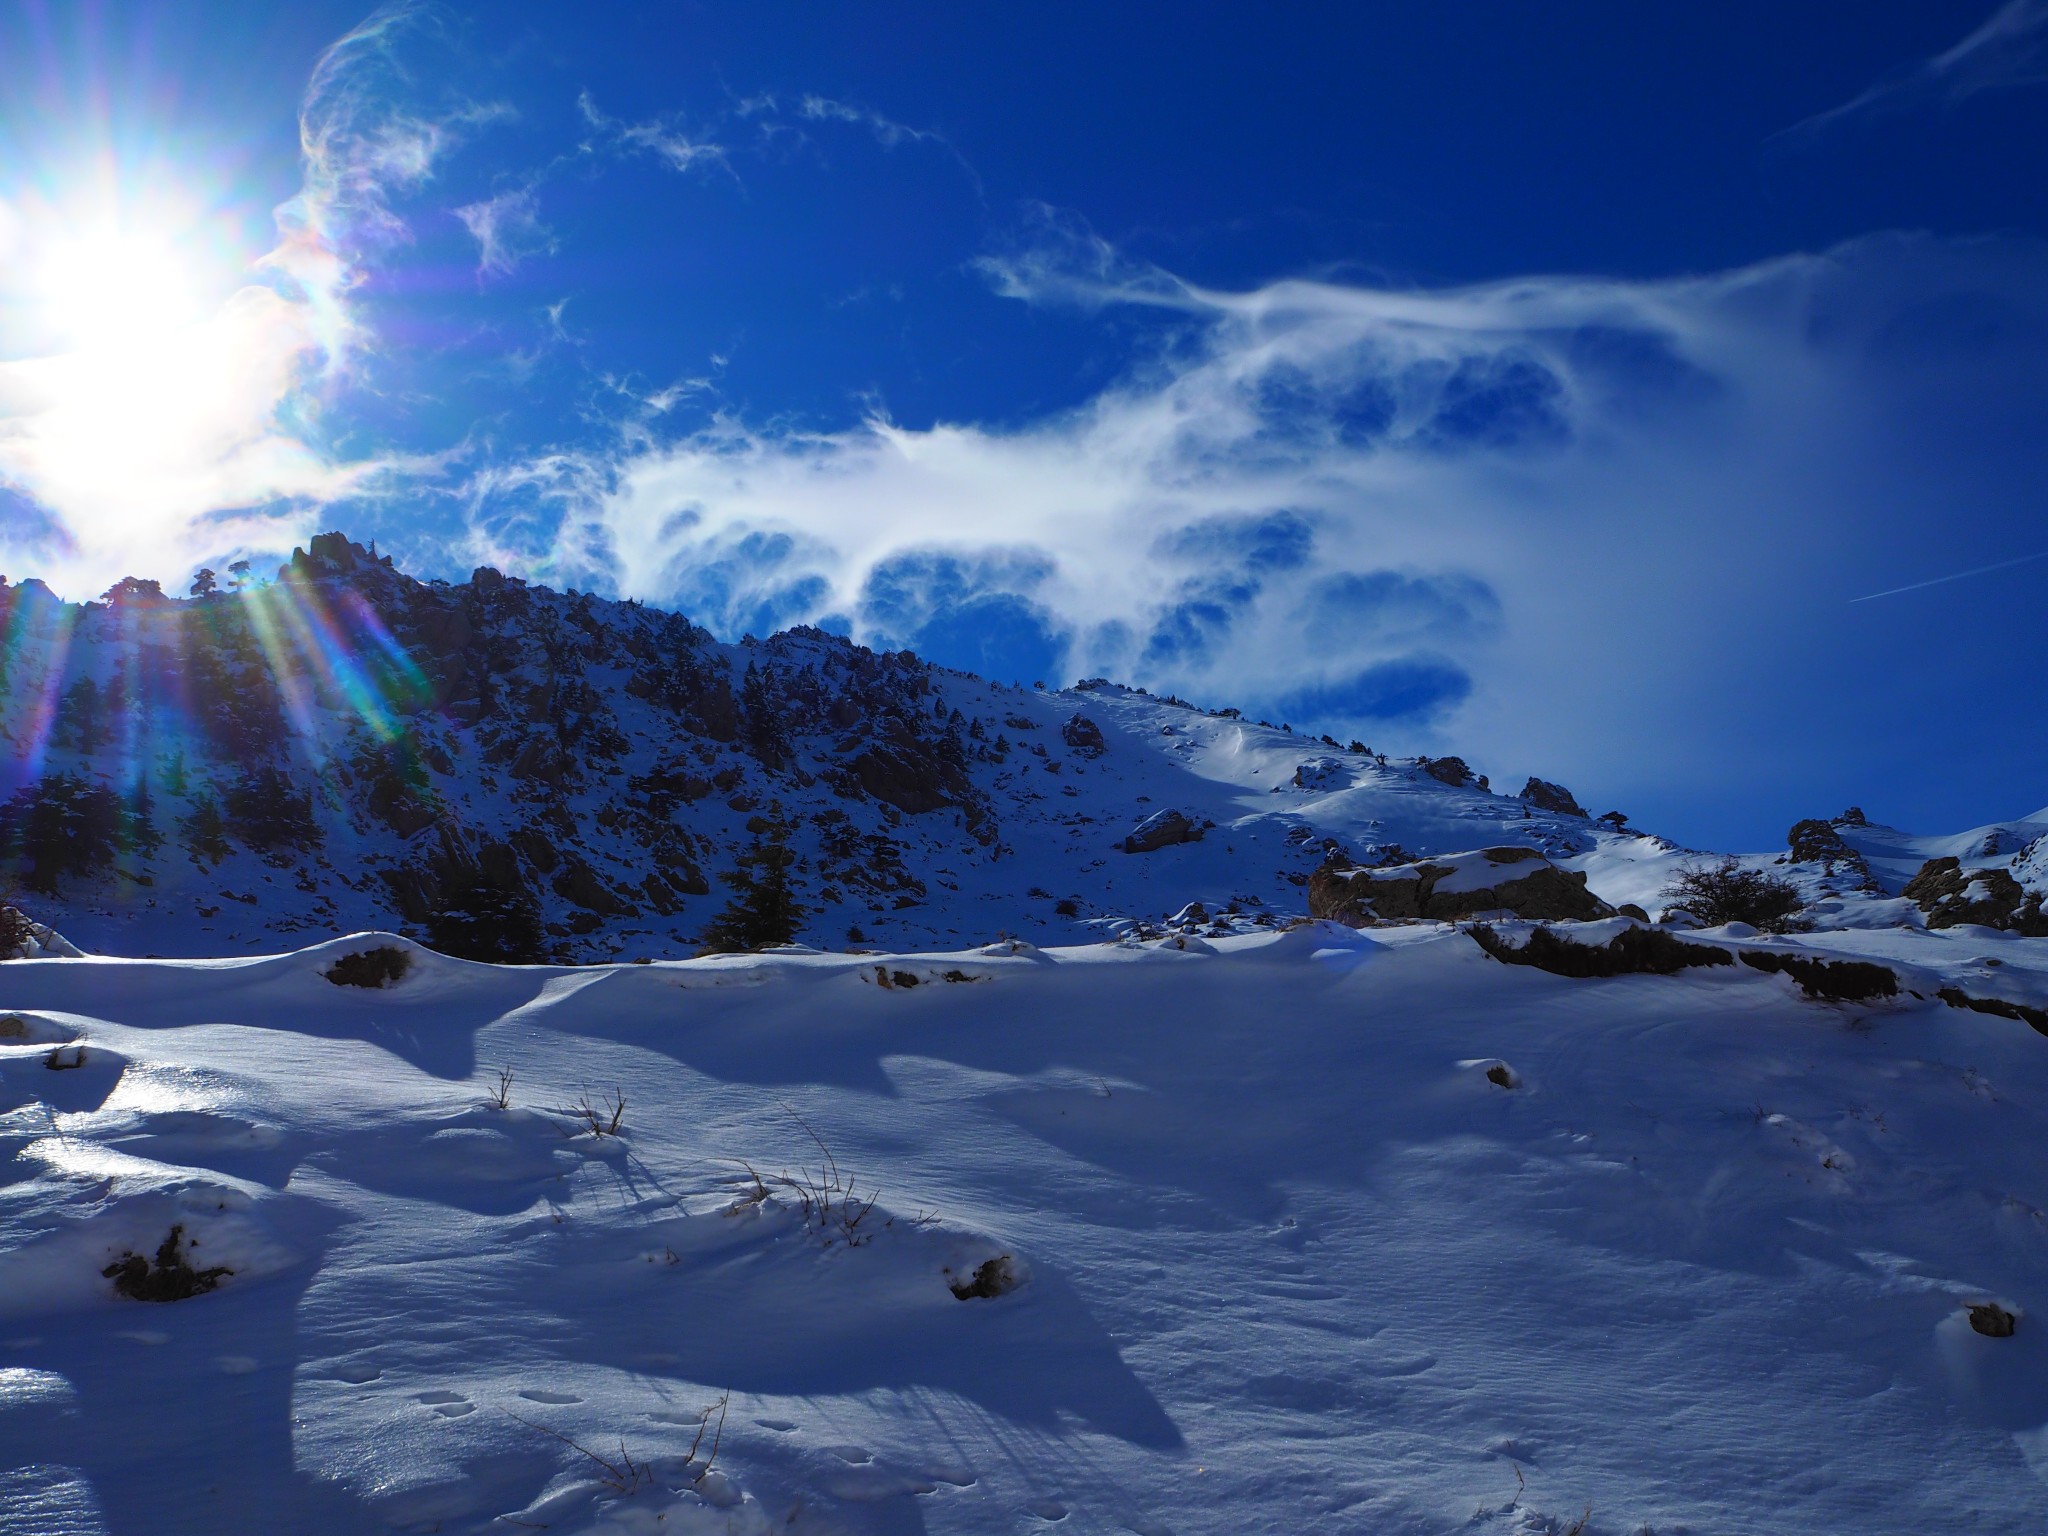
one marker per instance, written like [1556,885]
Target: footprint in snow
[780,1426]
[1047,1509]
[855,1454]
[541,1395]
[450,1405]
[357,1373]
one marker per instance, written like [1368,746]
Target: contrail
[2003,565]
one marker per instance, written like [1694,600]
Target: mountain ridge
[348,747]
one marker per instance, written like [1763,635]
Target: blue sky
[1558,386]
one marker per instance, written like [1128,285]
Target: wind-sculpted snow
[1314,1229]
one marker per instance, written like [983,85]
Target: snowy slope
[369,747]
[1292,1260]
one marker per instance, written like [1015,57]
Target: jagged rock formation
[1546,796]
[1950,894]
[1517,880]
[1813,841]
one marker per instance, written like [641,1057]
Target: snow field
[1292,1259]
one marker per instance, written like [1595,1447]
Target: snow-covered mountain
[1420,1218]
[346,747]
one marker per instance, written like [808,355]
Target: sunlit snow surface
[1293,1262]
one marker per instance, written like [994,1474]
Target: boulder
[1517,880]
[1453,771]
[1163,829]
[1555,798]
[1950,894]
[1084,736]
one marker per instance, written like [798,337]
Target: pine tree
[481,919]
[764,910]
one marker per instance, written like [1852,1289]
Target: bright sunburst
[106,285]
[147,364]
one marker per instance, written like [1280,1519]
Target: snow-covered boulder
[1322,773]
[1517,880]
[1950,894]
[1163,829]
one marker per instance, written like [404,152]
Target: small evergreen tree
[482,919]
[62,826]
[205,830]
[764,910]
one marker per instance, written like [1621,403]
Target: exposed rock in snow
[1517,880]
[1950,894]
[1162,829]
[1546,796]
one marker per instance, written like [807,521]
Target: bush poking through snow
[500,1095]
[1632,952]
[1728,893]
[828,1199]
[623,1477]
[601,1118]
[1834,981]
[991,1278]
[384,966]
[171,1278]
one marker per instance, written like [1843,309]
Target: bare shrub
[602,1118]
[828,1198]
[383,966]
[500,1097]
[1728,893]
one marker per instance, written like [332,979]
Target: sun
[115,285]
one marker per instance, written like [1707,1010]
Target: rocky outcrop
[1084,736]
[1163,829]
[1555,798]
[1517,880]
[1453,771]
[1813,841]
[1991,898]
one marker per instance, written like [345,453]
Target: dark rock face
[1517,880]
[1950,894]
[1162,829]
[1453,771]
[1813,841]
[1554,798]
[1084,736]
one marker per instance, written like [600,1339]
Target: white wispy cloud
[887,131]
[1544,490]
[507,229]
[2008,50]
[665,138]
